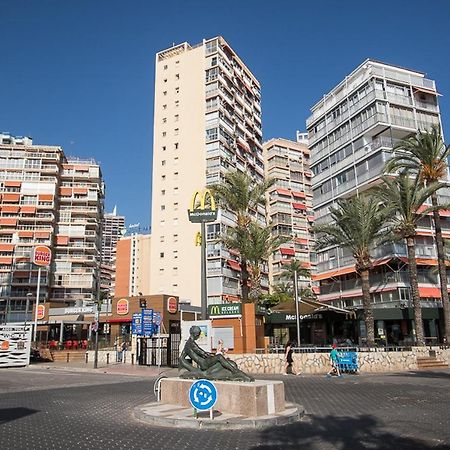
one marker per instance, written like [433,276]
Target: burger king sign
[42,256]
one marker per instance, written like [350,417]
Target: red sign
[122,306]
[40,312]
[42,256]
[172,305]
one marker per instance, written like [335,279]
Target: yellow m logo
[215,310]
[202,200]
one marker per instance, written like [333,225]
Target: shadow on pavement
[338,432]
[421,374]
[10,414]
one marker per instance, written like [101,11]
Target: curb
[293,413]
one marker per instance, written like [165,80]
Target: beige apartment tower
[207,121]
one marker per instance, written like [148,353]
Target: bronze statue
[208,365]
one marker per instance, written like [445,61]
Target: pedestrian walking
[334,360]
[288,358]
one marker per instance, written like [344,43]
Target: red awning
[426,91]
[299,206]
[234,264]
[119,320]
[287,251]
[432,292]
[284,192]
[299,194]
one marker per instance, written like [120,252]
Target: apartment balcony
[426,105]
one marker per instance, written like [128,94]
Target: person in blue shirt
[334,362]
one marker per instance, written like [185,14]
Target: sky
[80,73]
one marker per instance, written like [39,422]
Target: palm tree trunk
[367,304]
[442,268]
[244,281]
[412,267]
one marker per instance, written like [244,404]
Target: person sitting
[207,365]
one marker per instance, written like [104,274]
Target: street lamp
[297,313]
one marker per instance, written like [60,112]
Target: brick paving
[72,409]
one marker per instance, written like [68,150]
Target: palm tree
[426,154]
[358,224]
[254,244]
[405,197]
[294,267]
[239,194]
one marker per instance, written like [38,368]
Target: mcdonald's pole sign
[203,207]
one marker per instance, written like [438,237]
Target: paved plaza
[75,408]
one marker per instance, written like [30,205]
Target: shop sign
[15,344]
[79,310]
[40,312]
[289,317]
[203,207]
[225,310]
[172,305]
[42,256]
[122,307]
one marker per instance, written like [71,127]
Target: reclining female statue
[207,365]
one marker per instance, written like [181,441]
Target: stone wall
[319,363]
[103,358]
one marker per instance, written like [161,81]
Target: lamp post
[297,312]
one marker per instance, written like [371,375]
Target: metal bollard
[87,357]
[107,358]
[124,357]
[68,356]
[132,359]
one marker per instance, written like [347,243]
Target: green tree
[426,154]
[240,194]
[255,244]
[405,197]
[357,224]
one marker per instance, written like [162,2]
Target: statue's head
[195,332]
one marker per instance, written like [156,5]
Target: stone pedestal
[260,398]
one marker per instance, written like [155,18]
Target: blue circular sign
[203,395]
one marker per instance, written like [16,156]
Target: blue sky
[79,73]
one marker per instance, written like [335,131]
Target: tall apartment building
[47,199]
[207,121]
[290,202]
[133,265]
[352,131]
[113,227]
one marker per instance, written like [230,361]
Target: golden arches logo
[203,200]
[215,310]
[203,207]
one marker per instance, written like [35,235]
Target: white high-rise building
[207,121]
[352,132]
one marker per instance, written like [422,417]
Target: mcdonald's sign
[225,310]
[203,207]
